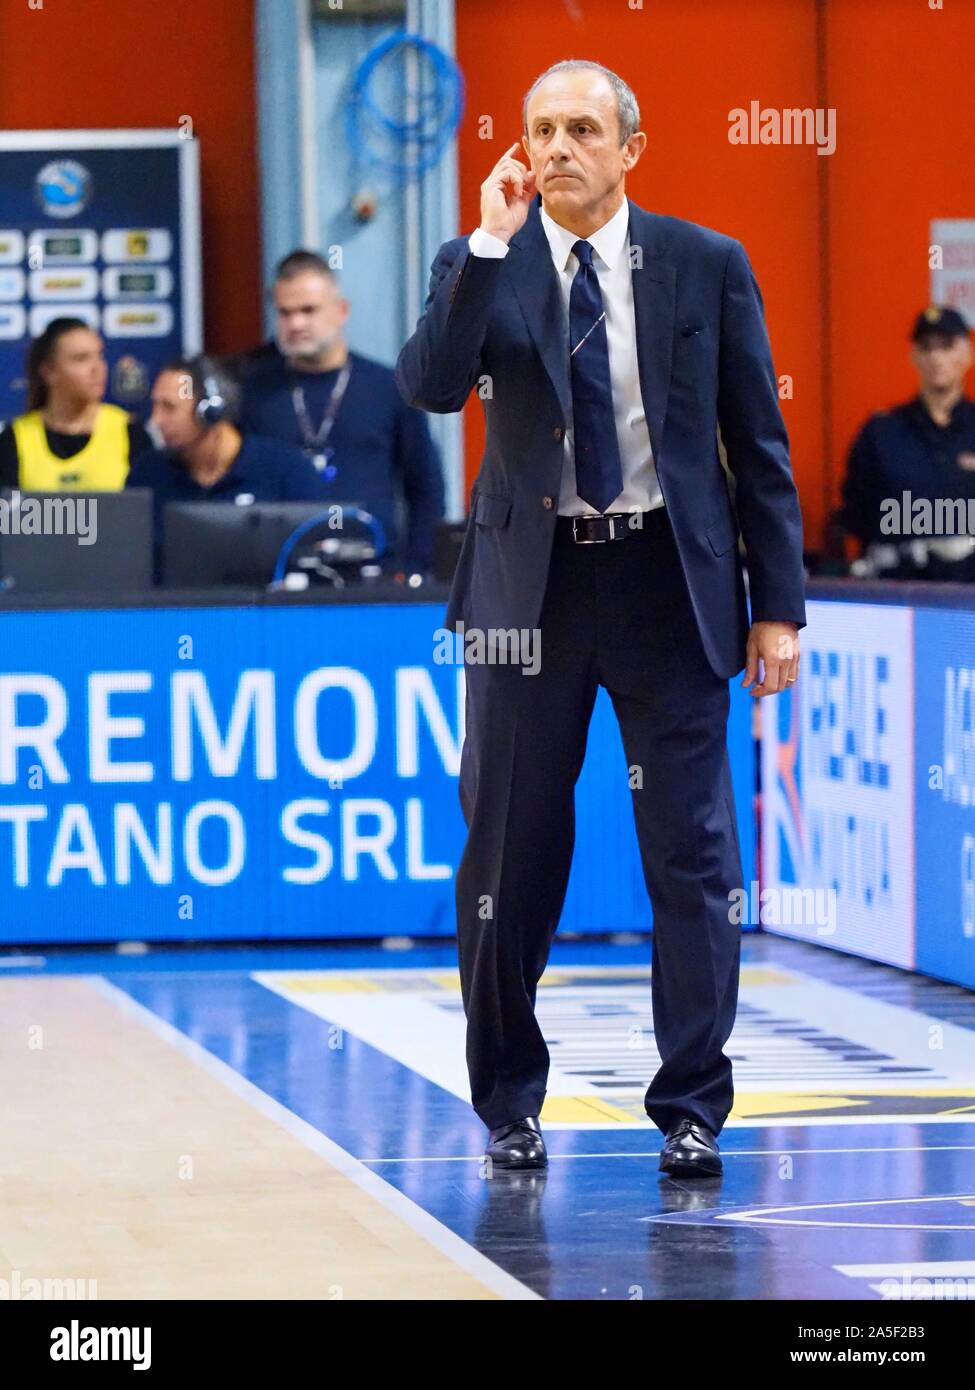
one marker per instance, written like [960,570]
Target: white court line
[435,1232]
[767,1216]
[725,1153]
[929,1269]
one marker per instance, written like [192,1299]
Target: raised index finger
[510,154]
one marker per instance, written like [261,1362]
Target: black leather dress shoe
[690,1151]
[517,1145]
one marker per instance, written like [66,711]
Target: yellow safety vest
[101,466]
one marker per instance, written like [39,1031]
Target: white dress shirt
[611,260]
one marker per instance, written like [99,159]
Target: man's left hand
[776,646]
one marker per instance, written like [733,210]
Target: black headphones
[219,395]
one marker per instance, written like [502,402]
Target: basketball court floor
[292,1123]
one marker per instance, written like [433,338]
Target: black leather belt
[611,526]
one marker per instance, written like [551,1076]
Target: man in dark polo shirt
[924,449]
[206,457]
[345,412]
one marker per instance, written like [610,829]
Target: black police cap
[939,318]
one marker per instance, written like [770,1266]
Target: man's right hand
[505,196]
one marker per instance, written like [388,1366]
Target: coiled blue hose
[417,145]
[372,524]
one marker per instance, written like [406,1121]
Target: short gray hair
[626,104]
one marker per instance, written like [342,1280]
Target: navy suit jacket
[704,360]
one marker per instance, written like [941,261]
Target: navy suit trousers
[616,614]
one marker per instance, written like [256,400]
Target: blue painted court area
[849,1158]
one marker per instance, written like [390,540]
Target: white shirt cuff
[484,244]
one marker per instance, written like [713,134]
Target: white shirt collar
[608,241]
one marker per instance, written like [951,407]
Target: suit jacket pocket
[693,366]
[722,534]
[491,510]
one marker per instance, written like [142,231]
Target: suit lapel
[654,307]
[537,287]
[654,299]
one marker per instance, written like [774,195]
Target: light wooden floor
[124,1161]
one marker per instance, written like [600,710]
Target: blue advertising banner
[838,786]
[101,226]
[265,772]
[945,793]
[868,787]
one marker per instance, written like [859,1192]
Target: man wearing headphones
[205,456]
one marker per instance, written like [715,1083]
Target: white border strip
[928,1269]
[307,128]
[461,1254]
[190,233]
[87,139]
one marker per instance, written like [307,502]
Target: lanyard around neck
[315,439]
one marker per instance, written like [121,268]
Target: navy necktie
[599,474]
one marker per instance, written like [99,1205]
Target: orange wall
[839,242]
[114,63]
[689,65]
[901,79]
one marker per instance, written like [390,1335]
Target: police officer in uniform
[925,447]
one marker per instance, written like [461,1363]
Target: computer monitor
[209,544]
[75,543]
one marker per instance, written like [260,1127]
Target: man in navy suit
[608,344]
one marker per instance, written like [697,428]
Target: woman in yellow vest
[69,440]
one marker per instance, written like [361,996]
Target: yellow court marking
[322,982]
[748,1104]
[124,1161]
[392,981]
[768,975]
[580,1110]
[394,1008]
[447,979]
[569,1110]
